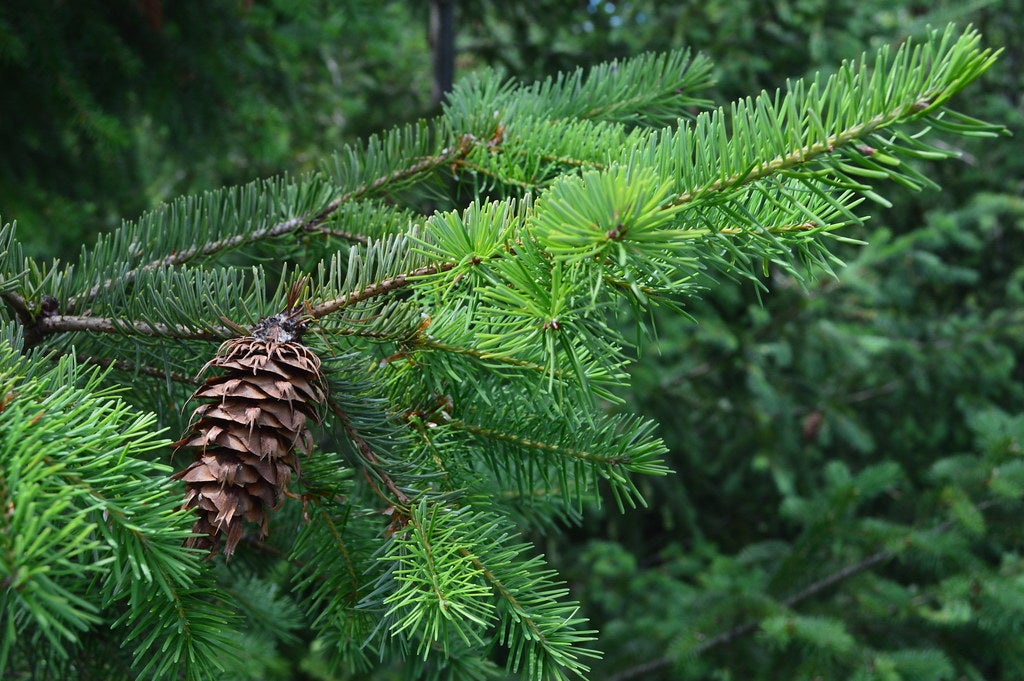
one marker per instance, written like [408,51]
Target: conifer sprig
[79,550]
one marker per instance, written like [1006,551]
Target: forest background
[869,423]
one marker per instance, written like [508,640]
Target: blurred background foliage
[849,475]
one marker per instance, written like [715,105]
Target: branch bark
[376,289]
[66,323]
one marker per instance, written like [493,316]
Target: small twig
[18,304]
[347,236]
[368,454]
[65,323]
[376,289]
[30,329]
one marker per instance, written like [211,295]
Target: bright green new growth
[466,275]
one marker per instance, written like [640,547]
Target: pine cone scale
[247,432]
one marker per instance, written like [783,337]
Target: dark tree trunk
[442,42]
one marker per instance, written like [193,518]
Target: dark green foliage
[92,535]
[856,526]
[110,108]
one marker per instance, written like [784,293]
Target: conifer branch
[507,595]
[810,591]
[485,355]
[376,289]
[125,366]
[462,148]
[370,458]
[529,443]
[132,368]
[795,158]
[651,666]
[65,323]
[204,250]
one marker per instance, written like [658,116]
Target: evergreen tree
[448,299]
[111,107]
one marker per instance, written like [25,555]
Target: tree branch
[184,255]
[462,148]
[18,306]
[66,323]
[537,445]
[369,456]
[750,627]
[803,154]
[131,368]
[24,315]
[376,289]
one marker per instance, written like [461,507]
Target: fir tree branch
[203,250]
[505,594]
[65,323]
[462,148]
[651,666]
[376,289]
[132,368]
[547,447]
[807,153]
[370,458]
[343,550]
[451,154]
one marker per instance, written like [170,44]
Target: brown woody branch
[18,306]
[376,289]
[370,457]
[66,323]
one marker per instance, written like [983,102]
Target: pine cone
[246,437]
